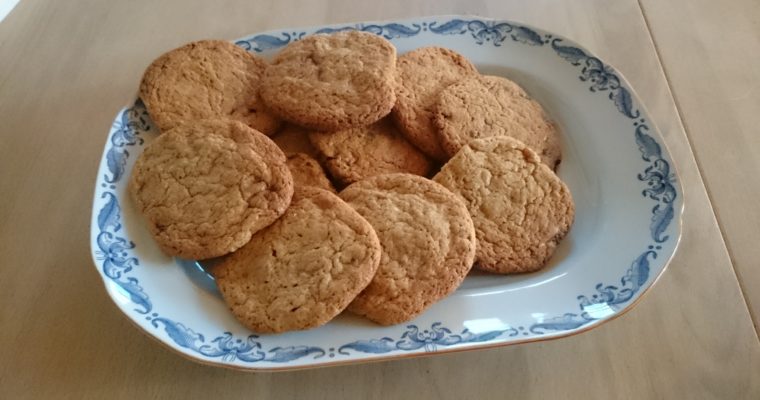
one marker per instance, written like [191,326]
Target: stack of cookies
[385,181]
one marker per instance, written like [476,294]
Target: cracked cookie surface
[520,208]
[428,243]
[206,186]
[423,73]
[354,154]
[206,79]
[484,106]
[332,82]
[306,171]
[304,269]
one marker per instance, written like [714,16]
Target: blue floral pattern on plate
[117,258]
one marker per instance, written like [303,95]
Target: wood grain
[712,59]
[67,67]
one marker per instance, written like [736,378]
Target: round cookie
[357,153]
[306,171]
[483,106]
[428,243]
[423,74]
[520,208]
[332,82]
[206,79]
[206,186]
[304,269]
[294,139]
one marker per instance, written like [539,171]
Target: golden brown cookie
[520,208]
[206,186]
[294,139]
[423,74]
[304,269]
[306,171]
[484,106]
[206,79]
[357,153]
[332,82]
[428,243]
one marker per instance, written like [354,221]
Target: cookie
[293,139]
[428,243]
[423,74]
[306,171]
[206,79]
[206,186]
[520,208]
[357,153]
[483,106]
[332,82]
[304,269]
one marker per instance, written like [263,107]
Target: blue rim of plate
[115,258]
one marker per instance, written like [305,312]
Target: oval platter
[627,226]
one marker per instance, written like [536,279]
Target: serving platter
[627,226]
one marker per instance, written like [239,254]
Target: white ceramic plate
[627,226]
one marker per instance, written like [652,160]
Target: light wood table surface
[67,67]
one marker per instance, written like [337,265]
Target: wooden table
[67,67]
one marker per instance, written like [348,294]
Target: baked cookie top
[331,82]
[428,243]
[306,171]
[304,269]
[520,208]
[206,79]
[423,73]
[357,153]
[206,186]
[483,106]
